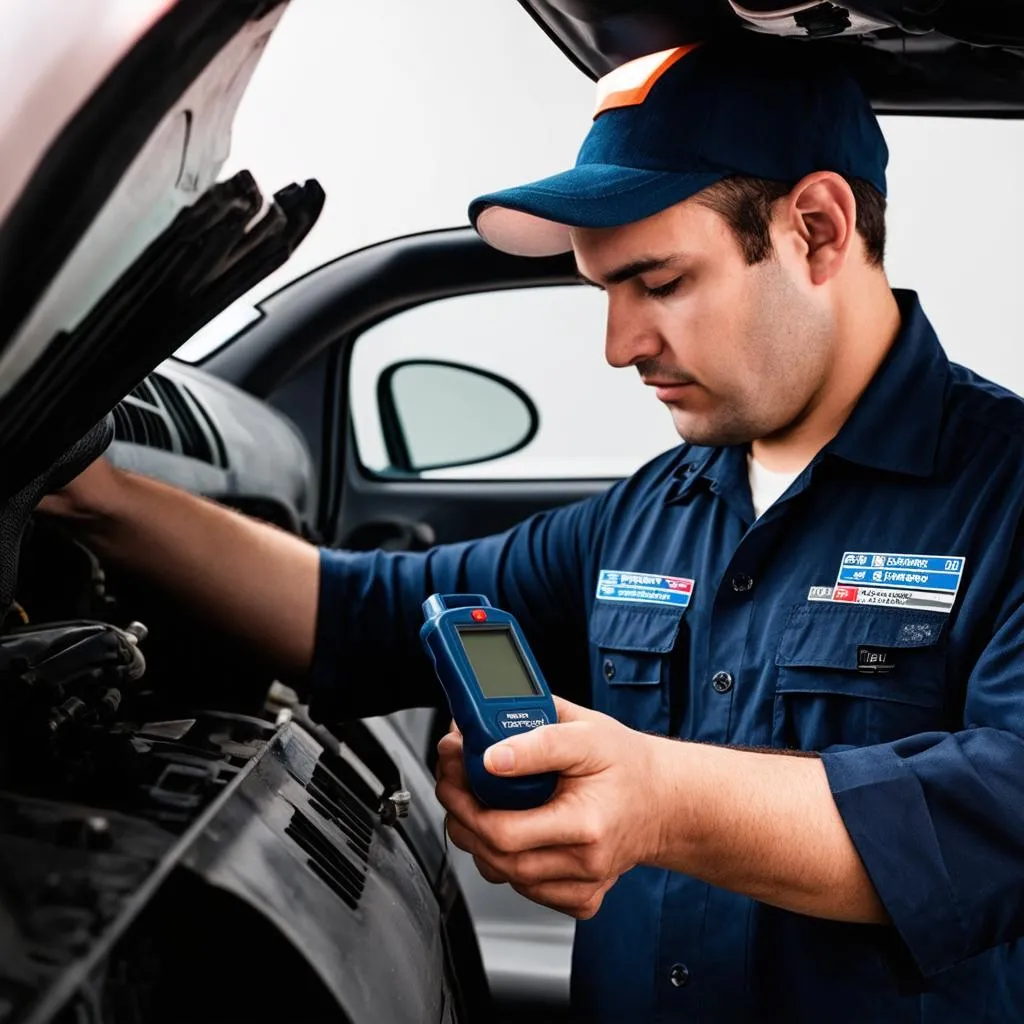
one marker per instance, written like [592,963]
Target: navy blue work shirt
[874,614]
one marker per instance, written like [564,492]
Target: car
[179,840]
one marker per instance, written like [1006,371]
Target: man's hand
[254,580]
[759,823]
[600,822]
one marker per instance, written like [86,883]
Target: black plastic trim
[343,298]
[75,974]
[456,510]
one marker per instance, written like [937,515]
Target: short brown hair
[746,205]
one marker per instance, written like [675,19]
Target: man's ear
[822,209]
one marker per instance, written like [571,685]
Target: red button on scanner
[478,615]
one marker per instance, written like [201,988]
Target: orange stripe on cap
[629,84]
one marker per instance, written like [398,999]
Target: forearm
[763,824]
[254,580]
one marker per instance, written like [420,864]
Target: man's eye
[663,290]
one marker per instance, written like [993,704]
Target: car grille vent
[161,413]
[219,451]
[337,870]
[332,801]
[144,393]
[181,410]
[139,424]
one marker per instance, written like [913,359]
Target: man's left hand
[600,822]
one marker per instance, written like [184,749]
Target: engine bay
[174,827]
[84,707]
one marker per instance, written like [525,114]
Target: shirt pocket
[631,646]
[853,675]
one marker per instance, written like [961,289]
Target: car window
[594,421]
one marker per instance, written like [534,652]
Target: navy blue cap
[670,124]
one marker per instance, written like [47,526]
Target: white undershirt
[766,486]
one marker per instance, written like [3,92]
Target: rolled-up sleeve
[368,659]
[938,818]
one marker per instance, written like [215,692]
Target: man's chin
[699,431]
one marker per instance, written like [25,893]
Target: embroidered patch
[875,660]
[643,588]
[903,581]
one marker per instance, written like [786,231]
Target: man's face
[737,352]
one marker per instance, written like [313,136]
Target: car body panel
[958,57]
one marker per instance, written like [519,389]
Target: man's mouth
[669,390]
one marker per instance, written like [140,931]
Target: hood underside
[117,241]
[953,57]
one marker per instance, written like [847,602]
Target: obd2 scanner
[494,687]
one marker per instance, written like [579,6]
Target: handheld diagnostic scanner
[495,689]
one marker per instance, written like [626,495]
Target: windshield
[451,120]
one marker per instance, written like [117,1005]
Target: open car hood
[962,57]
[116,239]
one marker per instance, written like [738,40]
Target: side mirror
[436,415]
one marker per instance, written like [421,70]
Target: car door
[448,391]
[318,349]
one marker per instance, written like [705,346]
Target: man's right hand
[251,578]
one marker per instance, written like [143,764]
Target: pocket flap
[827,635]
[624,627]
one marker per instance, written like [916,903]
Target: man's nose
[628,338]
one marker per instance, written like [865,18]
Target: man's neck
[866,332]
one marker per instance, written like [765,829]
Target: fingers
[572,748]
[569,712]
[488,873]
[559,822]
[449,759]
[567,746]
[556,854]
[530,868]
[581,900]
[456,798]
[450,746]
[552,854]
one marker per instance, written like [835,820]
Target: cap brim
[536,219]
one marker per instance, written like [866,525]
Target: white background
[407,109]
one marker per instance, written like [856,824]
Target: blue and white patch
[643,588]
[905,581]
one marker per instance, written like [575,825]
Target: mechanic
[791,738]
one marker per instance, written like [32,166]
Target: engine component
[68,672]
[15,511]
[814,19]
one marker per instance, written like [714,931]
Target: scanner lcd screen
[496,661]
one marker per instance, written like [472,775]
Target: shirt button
[679,975]
[741,583]
[722,682]
[609,668]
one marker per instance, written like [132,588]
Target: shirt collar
[895,426]
[897,422]
[721,469]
